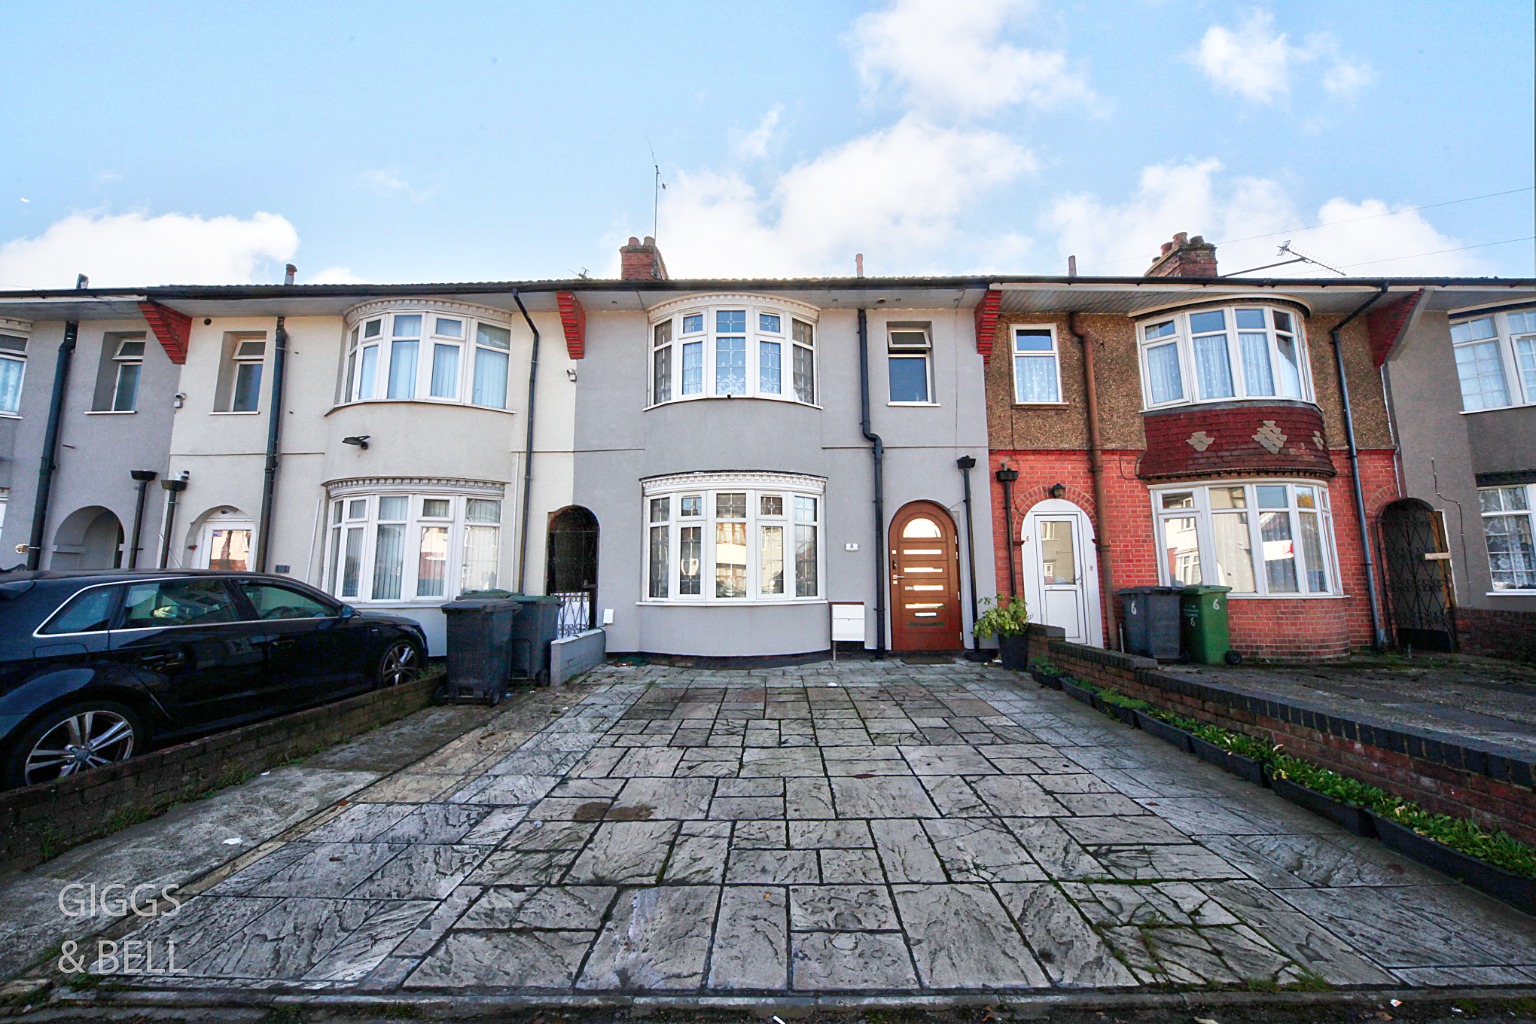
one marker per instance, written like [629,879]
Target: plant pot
[1047,679]
[1242,767]
[1076,692]
[1516,890]
[1163,731]
[1356,819]
[1014,651]
[1120,711]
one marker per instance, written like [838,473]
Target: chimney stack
[1185,257]
[641,261]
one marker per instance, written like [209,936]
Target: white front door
[225,543]
[1061,571]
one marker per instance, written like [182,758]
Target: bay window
[1496,360]
[1261,539]
[1509,524]
[733,347]
[450,353]
[715,538]
[412,545]
[1213,355]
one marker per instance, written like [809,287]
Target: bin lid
[1205,589]
[1123,591]
[487,593]
[464,605]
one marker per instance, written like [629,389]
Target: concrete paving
[836,829]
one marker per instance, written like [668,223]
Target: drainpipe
[274,431]
[142,477]
[1006,476]
[1096,471]
[172,487]
[51,435]
[877,450]
[966,464]
[1378,635]
[533,376]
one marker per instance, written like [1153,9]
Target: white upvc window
[411,546]
[427,355]
[909,364]
[1496,360]
[13,370]
[728,539]
[733,347]
[1216,355]
[1264,539]
[1036,365]
[129,359]
[1509,525]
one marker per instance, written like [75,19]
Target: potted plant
[1009,622]
[1241,755]
[1500,866]
[1079,690]
[1120,706]
[1341,800]
[1046,672]
[1166,726]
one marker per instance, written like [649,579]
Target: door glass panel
[920,527]
[1058,558]
[229,550]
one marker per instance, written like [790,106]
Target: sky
[186,143]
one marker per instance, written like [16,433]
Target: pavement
[842,830]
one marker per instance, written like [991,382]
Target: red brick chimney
[641,261]
[1183,257]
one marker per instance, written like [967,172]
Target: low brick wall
[1444,773]
[39,822]
[1497,633]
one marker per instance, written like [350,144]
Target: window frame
[1054,355]
[1204,515]
[372,332]
[909,352]
[693,342]
[341,522]
[1183,340]
[1528,514]
[664,517]
[15,336]
[1519,385]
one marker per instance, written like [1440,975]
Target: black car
[98,666]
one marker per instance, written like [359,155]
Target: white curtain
[1163,373]
[1035,378]
[1256,371]
[1213,366]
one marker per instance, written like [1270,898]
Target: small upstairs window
[1036,367]
[909,366]
[13,369]
[118,374]
[239,388]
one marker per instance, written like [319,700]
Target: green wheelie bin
[1203,618]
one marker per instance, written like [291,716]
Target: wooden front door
[925,580]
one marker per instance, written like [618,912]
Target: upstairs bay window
[1496,360]
[1262,539]
[1214,355]
[427,355]
[746,348]
[712,538]
[412,547]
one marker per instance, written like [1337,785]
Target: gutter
[1378,633]
[274,432]
[533,376]
[877,451]
[1096,472]
[46,462]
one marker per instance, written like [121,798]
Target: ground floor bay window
[733,538]
[412,544]
[1265,539]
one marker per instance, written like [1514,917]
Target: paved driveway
[854,828]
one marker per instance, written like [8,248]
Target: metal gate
[1418,575]
[571,573]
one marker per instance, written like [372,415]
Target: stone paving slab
[859,828]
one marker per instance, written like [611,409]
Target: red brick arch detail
[573,318]
[172,329]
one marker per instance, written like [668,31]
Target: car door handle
[163,662]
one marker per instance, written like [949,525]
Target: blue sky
[154,143]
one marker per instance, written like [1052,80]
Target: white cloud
[1255,61]
[388,183]
[951,57]
[896,195]
[335,275]
[131,249]
[1367,237]
[1252,61]
[754,144]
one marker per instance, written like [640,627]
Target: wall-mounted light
[1058,491]
[361,440]
[570,374]
[180,399]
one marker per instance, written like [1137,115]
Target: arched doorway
[1061,570]
[571,567]
[925,580]
[88,538]
[1419,585]
[224,540]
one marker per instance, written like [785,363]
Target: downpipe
[877,451]
[533,376]
[1096,471]
[274,433]
[46,462]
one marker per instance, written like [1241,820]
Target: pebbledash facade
[1183,428]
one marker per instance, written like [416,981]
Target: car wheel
[75,738]
[401,662]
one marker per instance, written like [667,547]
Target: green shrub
[1002,618]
